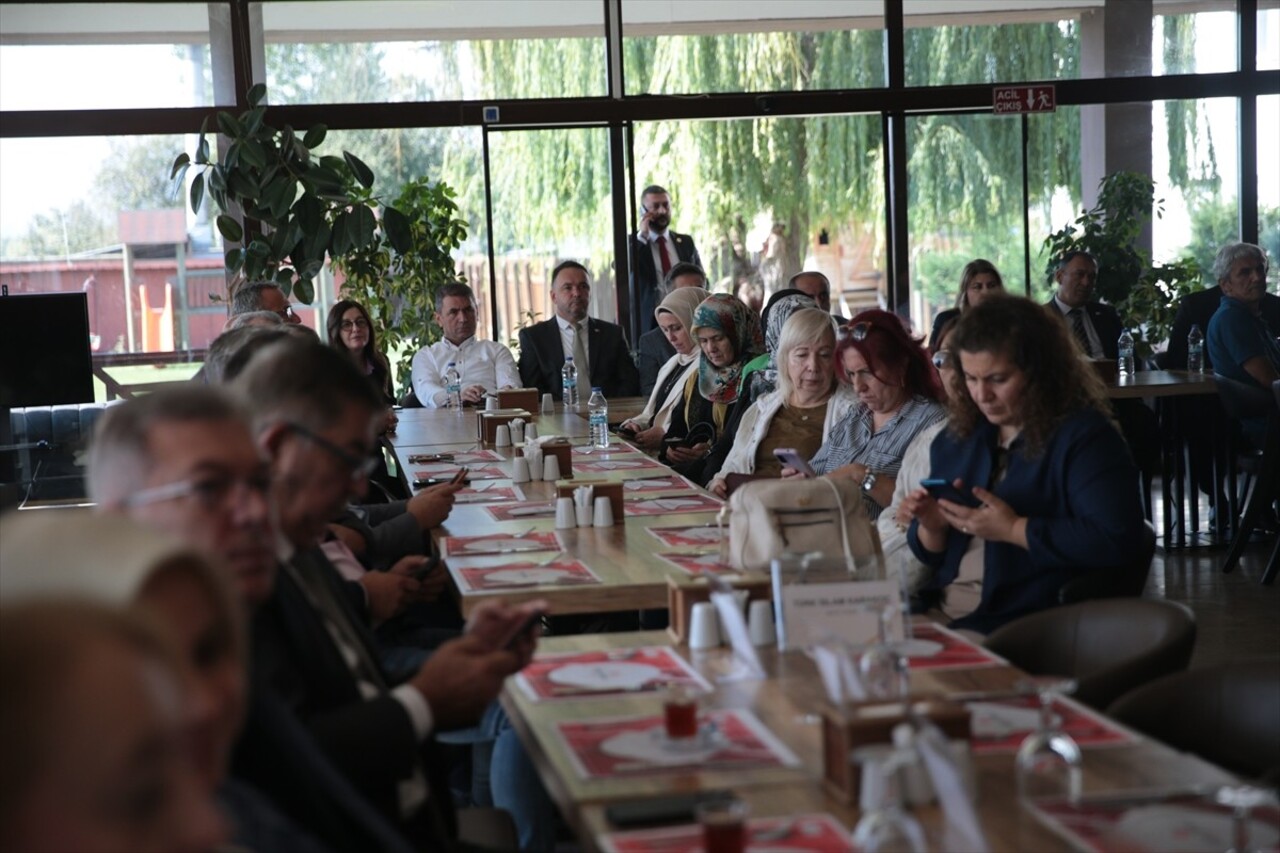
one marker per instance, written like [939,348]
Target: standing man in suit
[655,250]
[653,349]
[599,349]
[1095,325]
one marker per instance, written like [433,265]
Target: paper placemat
[606,672]
[501,543]
[522,511]
[688,536]
[605,466]
[656,484]
[677,503]
[445,470]
[525,574]
[488,493]
[707,563]
[1002,725]
[935,647]
[820,833]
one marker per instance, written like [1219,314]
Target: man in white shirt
[484,365]
[655,250]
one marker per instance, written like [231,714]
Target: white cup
[517,432]
[490,404]
[704,627]
[502,436]
[583,515]
[565,516]
[535,467]
[548,404]
[604,512]
[551,469]
[520,470]
[530,432]
[760,624]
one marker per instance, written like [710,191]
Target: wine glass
[885,826]
[1242,799]
[1049,760]
[881,666]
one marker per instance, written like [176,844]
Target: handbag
[769,518]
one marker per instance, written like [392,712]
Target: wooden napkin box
[683,593]
[563,451]
[603,489]
[519,398]
[870,723]
[487,422]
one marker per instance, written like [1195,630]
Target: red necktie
[662,255]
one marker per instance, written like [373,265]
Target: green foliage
[1215,223]
[1145,294]
[396,274]
[57,233]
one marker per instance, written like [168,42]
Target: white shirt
[566,342]
[652,239]
[486,363]
[1095,342]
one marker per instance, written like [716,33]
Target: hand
[430,585]
[392,591]
[461,678]
[719,487]
[791,473]
[649,439]
[855,471]
[473,394]
[498,624]
[391,421]
[994,520]
[685,455]
[432,505]
[349,537]
[920,505]
[644,223]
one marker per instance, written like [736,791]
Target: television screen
[44,350]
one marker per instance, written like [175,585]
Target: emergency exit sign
[1024,99]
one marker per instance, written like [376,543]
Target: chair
[1242,402]
[1121,582]
[1227,714]
[1109,647]
[410,400]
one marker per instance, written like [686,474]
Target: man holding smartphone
[655,249]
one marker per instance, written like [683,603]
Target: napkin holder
[602,489]
[683,593]
[869,723]
[487,422]
[519,398]
[563,451]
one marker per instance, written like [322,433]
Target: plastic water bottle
[453,385]
[1125,349]
[569,383]
[1195,350]
[598,418]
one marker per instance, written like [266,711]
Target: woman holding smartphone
[675,319]
[1032,441]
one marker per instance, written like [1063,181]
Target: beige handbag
[769,518]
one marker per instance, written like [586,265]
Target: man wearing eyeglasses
[263,296]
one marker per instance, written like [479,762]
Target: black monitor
[45,358]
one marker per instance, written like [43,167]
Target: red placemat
[462,457]
[699,564]
[676,503]
[1002,725]
[613,463]
[627,746]
[500,543]
[688,536]
[523,574]
[820,833]
[937,647]
[606,672]
[444,471]
[641,485]
[523,511]
[487,493]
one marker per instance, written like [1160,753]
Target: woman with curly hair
[978,280]
[1054,489]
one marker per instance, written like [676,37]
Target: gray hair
[228,345]
[805,326]
[119,454]
[248,296]
[1232,252]
[454,288]
[254,318]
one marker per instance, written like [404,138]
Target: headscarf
[730,316]
[776,315]
[681,303]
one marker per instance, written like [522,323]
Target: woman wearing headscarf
[728,335]
[675,320]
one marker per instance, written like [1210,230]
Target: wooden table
[787,702]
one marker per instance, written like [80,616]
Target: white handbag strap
[844,525]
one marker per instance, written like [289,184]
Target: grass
[144,374]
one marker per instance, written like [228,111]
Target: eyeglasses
[943,359]
[856,331]
[286,312]
[361,467]
[211,492]
[358,323]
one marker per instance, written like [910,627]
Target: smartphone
[428,566]
[624,431]
[461,478]
[791,458]
[436,481]
[417,458]
[944,490]
[534,620]
[675,440]
[656,811]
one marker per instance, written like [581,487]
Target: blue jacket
[1082,505]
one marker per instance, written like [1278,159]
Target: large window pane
[748,46]
[1268,35]
[1269,183]
[1197,171]
[71,56]
[433,50]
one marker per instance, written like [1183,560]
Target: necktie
[1077,328]
[662,255]
[325,598]
[580,359]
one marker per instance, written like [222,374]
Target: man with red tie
[655,250]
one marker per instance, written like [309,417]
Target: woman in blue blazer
[1049,485]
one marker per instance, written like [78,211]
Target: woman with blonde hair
[978,280]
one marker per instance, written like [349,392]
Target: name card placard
[813,613]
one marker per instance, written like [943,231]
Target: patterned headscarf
[777,313]
[730,316]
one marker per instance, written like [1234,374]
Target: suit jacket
[372,742]
[1106,322]
[653,351]
[1198,309]
[542,357]
[646,276]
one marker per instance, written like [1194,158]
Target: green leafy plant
[299,207]
[1145,294]
[396,274]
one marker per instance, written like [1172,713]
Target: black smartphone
[624,430]
[526,629]
[675,440]
[656,811]
[436,481]
[428,566]
[944,490]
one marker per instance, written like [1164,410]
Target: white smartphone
[791,458]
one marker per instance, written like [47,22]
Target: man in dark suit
[653,349]
[1095,325]
[655,250]
[544,346]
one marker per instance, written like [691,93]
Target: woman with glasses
[728,335]
[804,408]
[978,280]
[898,393]
[351,331]
[1043,486]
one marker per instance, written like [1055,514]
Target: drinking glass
[1242,799]
[885,826]
[1049,761]
[882,667]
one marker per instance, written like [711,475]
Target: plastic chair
[1229,715]
[1109,647]
[1242,402]
[1121,582]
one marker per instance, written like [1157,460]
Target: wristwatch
[869,481]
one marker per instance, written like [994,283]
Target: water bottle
[569,383]
[598,418]
[1195,350]
[453,386]
[1125,348]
